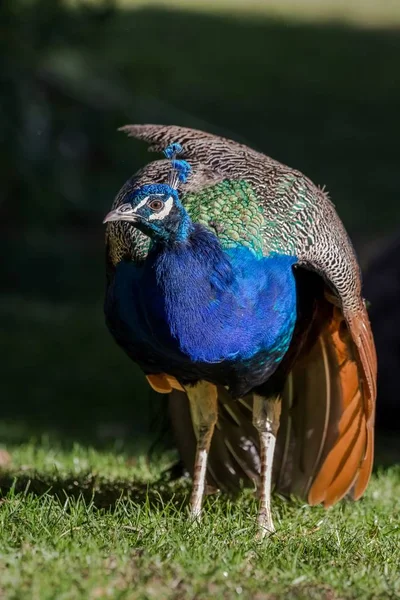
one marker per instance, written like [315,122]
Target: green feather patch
[232,211]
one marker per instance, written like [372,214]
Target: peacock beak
[125,212]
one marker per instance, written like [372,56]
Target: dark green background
[322,98]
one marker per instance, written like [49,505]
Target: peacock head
[155,209]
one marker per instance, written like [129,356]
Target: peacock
[233,284]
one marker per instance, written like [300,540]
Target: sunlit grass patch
[137,542]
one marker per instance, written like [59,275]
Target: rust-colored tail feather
[349,461]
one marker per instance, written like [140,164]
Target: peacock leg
[266,414]
[204,410]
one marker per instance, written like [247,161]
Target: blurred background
[313,83]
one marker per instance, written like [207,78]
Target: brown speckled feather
[325,446]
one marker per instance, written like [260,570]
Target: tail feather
[350,459]
[367,360]
[366,467]
[240,435]
[347,474]
[340,467]
[312,390]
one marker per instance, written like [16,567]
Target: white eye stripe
[141,203]
[163,212]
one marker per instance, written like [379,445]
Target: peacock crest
[180,169]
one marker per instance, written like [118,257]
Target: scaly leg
[204,410]
[266,414]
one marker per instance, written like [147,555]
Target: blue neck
[183,230]
[219,305]
[196,260]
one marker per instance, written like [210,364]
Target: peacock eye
[156,204]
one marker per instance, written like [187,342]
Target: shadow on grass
[170,488]
[103,494]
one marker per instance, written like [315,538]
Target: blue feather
[172,150]
[183,169]
[193,304]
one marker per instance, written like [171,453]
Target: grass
[81,523]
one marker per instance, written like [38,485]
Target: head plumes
[155,209]
[180,168]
